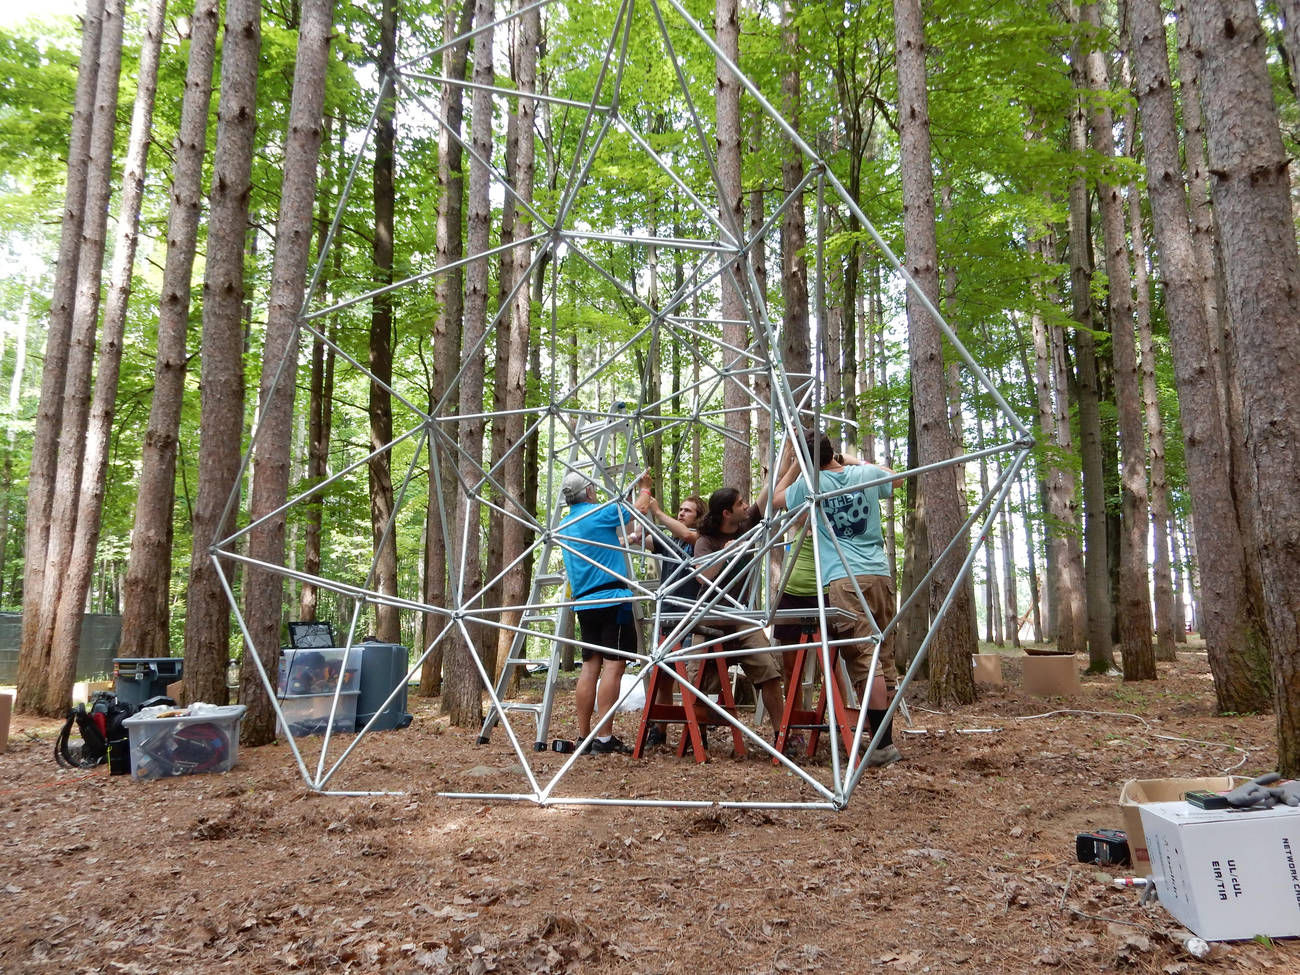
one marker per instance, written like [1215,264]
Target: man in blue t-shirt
[859,563]
[595,561]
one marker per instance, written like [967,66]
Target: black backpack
[100,726]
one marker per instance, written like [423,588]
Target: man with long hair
[728,518]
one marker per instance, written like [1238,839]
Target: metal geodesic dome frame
[653,291]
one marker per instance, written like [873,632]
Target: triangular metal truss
[617,101]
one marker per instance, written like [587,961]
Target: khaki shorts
[883,603]
[759,666]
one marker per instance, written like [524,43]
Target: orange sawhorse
[814,719]
[684,713]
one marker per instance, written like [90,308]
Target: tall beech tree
[380,468]
[1252,206]
[794,265]
[221,422]
[736,454]
[515,535]
[1101,657]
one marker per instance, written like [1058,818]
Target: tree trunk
[263,591]
[1162,580]
[1232,621]
[1032,550]
[81,564]
[794,269]
[33,660]
[1134,602]
[462,692]
[383,538]
[1065,576]
[494,654]
[15,400]
[1096,583]
[951,678]
[1180,590]
[320,393]
[148,574]
[992,600]
[221,408]
[1252,207]
[914,622]
[515,533]
[449,294]
[74,414]
[736,452]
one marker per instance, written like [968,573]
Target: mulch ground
[961,858]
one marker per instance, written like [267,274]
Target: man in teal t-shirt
[851,556]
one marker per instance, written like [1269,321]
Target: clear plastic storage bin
[183,741]
[309,714]
[317,671]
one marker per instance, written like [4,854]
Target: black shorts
[609,626]
[784,634]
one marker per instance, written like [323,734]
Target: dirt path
[961,858]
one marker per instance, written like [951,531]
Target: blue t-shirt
[855,519]
[595,531]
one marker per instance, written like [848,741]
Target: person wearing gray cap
[591,537]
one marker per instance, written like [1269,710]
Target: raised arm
[679,531]
[786,474]
[645,493]
[848,460]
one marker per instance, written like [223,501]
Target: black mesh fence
[100,635]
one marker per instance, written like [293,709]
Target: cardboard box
[6,710]
[1227,874]
[84,690]
[176,691]
[988,668]
[1139,791]
[1052,676]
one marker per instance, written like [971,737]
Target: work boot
[884,755]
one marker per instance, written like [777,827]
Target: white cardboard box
[1227,874]
[1137,792]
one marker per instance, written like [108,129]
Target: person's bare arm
[645,493]
[679,531]
[848,460]
[787,475]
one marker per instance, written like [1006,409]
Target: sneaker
[615,745]
[655,737]
[885,755]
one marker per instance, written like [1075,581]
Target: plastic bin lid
[206,712]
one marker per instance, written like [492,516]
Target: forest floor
[961,858]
